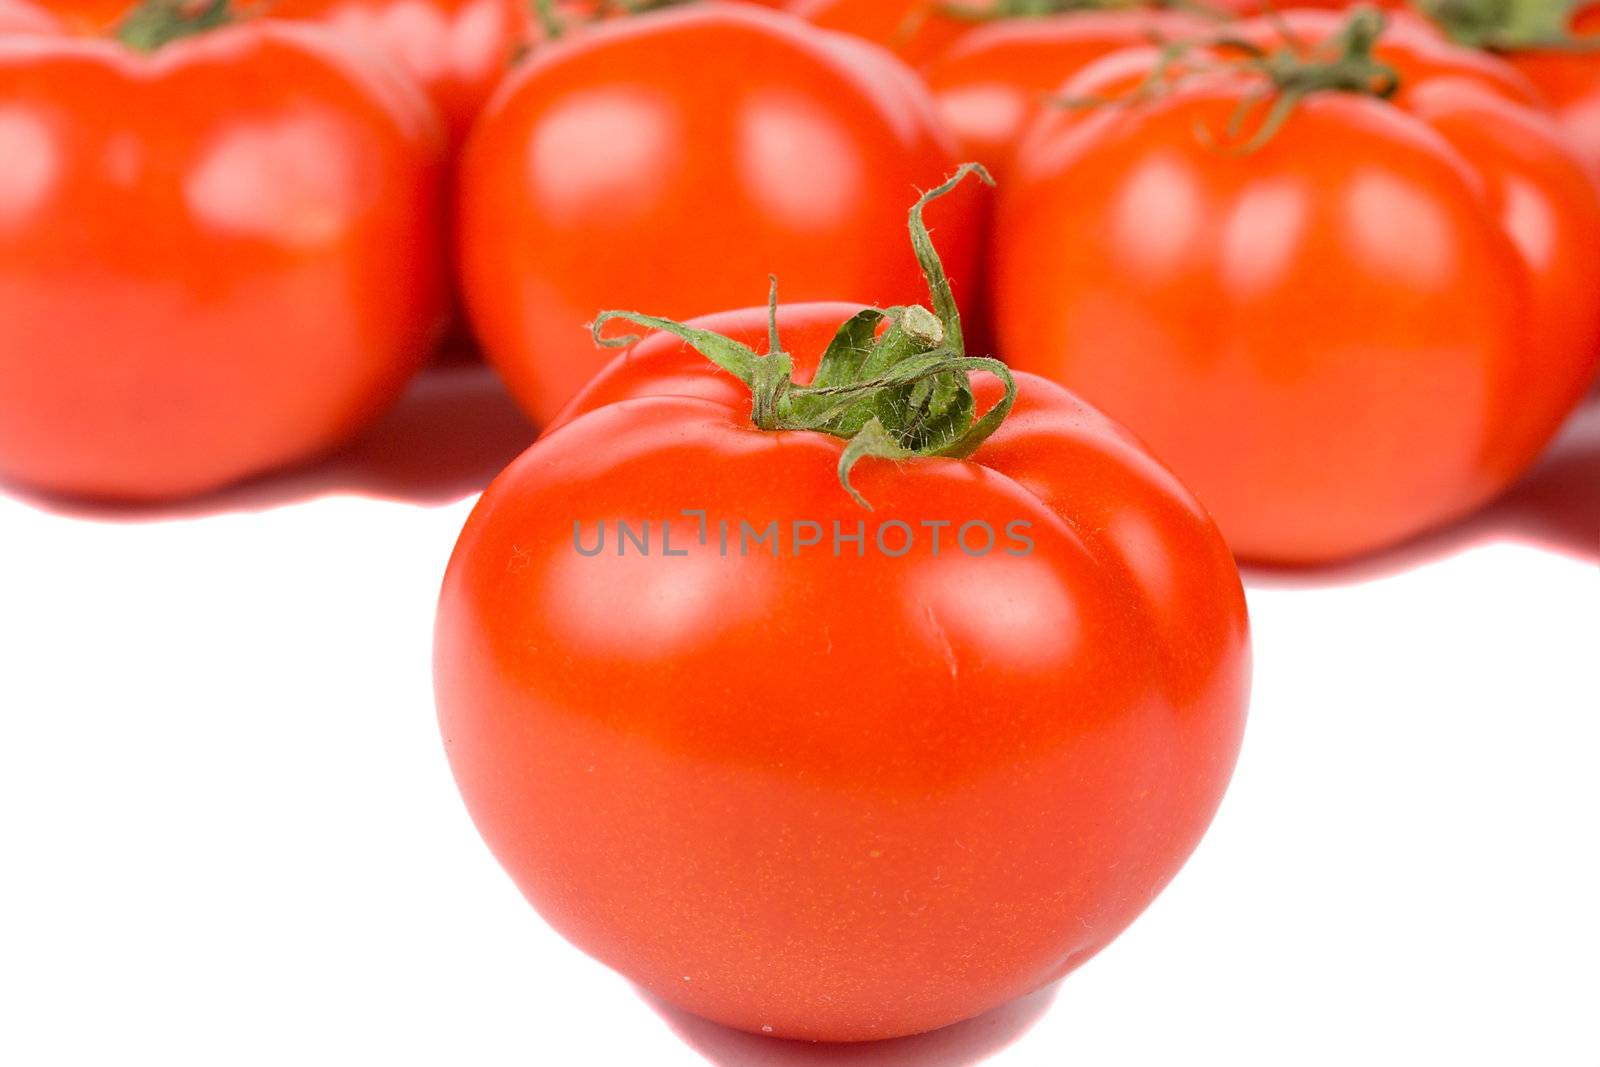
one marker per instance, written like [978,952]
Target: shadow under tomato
[447,437]
[961,1045]
[1556,507]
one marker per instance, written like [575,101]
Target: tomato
[215,259]
[837,796]
[665,160]
[1360,326]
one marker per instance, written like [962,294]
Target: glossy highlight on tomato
[198,282]
[1355,328]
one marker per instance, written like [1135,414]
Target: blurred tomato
[664,161]
[215,259]
[917,30]
[457,49]
[1341,333]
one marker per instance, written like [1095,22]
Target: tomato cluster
[833,668]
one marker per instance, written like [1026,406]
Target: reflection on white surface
[288,179]
[797,161]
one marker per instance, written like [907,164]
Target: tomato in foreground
[665,159]
[1349,296]
[839,789]
[218,255]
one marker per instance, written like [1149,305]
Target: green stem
[1507,25]
[895,383]
[157,23]
[1289,72]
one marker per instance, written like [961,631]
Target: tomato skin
[214,261]
[1363,330]
[991,83]
[914,29]
[837,798]
[458,50]
[608,172]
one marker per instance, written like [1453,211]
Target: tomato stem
[156,23]
[1508,25]
[895,383]
[1289,72]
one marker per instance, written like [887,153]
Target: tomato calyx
[894,382]
[1289,73]
[157,23]
[1508,25]
[1347,63]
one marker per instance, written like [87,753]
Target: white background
[228,834]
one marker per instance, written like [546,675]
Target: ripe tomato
[214,260]
[1362,326]
[664,161]
[837,795]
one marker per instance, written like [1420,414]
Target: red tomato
[837,795]
[1365,327]
[665,161]
[214,260]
